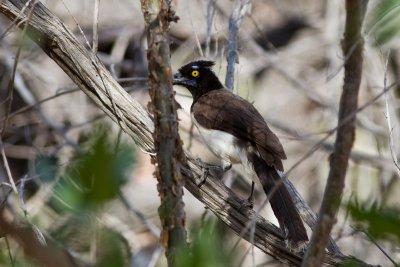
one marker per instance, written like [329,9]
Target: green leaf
[379,222]
[83,233]
[207,248]
[114,250]
[95,174]
[383,22]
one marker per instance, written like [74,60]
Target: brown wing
[224,111]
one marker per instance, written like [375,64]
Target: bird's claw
[206,167]
[246,204]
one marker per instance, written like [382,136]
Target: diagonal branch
[97,83]
[49,254]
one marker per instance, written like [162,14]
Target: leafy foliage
[383,22]
[379,222]
[94,174]
[92,177]
[207,248]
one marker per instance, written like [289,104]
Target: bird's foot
[206,167]
[246,204]
[249,202]
[300,247]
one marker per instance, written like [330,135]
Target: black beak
[179,79]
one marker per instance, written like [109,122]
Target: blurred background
[84,183]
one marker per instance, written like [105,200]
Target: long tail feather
[281,202]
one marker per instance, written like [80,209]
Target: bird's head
[198,77]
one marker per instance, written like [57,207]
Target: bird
[237,133]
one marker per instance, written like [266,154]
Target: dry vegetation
[290,65]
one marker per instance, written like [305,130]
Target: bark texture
[168,145]
[352,46]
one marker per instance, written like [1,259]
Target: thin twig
[7,167]
[305,88]
[190,141]
[72,89]
[36,229]
[95,44]
[9,98]
[340,124]
[17,18]
[380,248]
[17,83]
[195,32]
[388,119]
[150,226]
[210,17]
[48,255]
[12,262]
[77,24]
[155,256]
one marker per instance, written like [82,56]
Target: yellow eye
[195,73]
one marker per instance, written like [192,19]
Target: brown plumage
[224,111]
[247,138]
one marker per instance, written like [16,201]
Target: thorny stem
[168,145]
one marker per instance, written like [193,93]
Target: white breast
[223,145]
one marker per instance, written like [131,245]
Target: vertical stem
[352,46]
[210,16]
[95,44]
[168,145]
[239,11]
[231,54]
